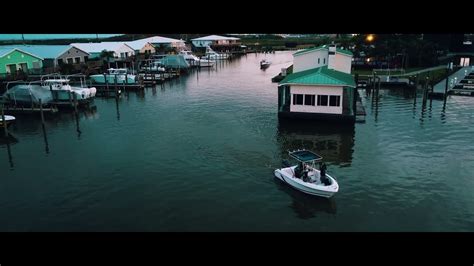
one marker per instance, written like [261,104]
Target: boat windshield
[305,156]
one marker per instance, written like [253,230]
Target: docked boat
[265,64]
[154,66]
[61,90]
[305,177]
[121,74]
[212,55]
[8,120]
[196,61]
[48,89]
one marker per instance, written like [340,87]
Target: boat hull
[8,120]
[101,79]
[308,188]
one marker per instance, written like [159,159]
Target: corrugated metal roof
[4,50]
[320,76]
[214,38]
[138,44]
[44,51]
[97,47]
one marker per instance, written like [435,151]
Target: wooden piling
[70,98]
[4,122]
[41,110]
[75,102]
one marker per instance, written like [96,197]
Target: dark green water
[199,155]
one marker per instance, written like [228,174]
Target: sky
[4,37]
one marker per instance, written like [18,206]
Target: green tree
[106,56]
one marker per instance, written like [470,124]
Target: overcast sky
[4,37]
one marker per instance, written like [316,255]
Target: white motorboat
[119,74]
[154,66]
[62,88]
[196,61]
[305,177]
[49,88]
[211,54]
[265,64]
[8,120]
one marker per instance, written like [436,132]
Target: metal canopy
[305,156]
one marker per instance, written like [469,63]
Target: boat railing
[21,82]
[82,78]
[51,76]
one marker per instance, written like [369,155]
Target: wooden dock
[29,110]
[360,112]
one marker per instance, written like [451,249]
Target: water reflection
[307,206]
[45,137]
[333,141]
[7,141]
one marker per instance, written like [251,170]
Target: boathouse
[152,44]
[54,55]
[216,42]
[120,49]
[13,60]
[320,87]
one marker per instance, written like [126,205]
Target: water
[199,154]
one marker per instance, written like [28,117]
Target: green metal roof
[320,76]
[342,51]
[44,51]
[310,49]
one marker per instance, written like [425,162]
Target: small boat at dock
[305,177]
[212,55]
[51,88]
[119,75]
[9,119]
[196,61]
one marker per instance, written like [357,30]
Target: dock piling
[75,102]
[4,122]
[41,110]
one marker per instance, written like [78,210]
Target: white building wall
[316,90]
[147,48]
[310,60]
[343,63]
[124,49]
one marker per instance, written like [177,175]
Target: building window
[334,100]
[60,61]
[86,58]
[36,64]
[324,60]
[77,60]
[322,100]
[70,61]
[309,99]
[319,60]
[297,99]
[332,53]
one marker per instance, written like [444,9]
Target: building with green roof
[320,87]
[54,55]
[13,60]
